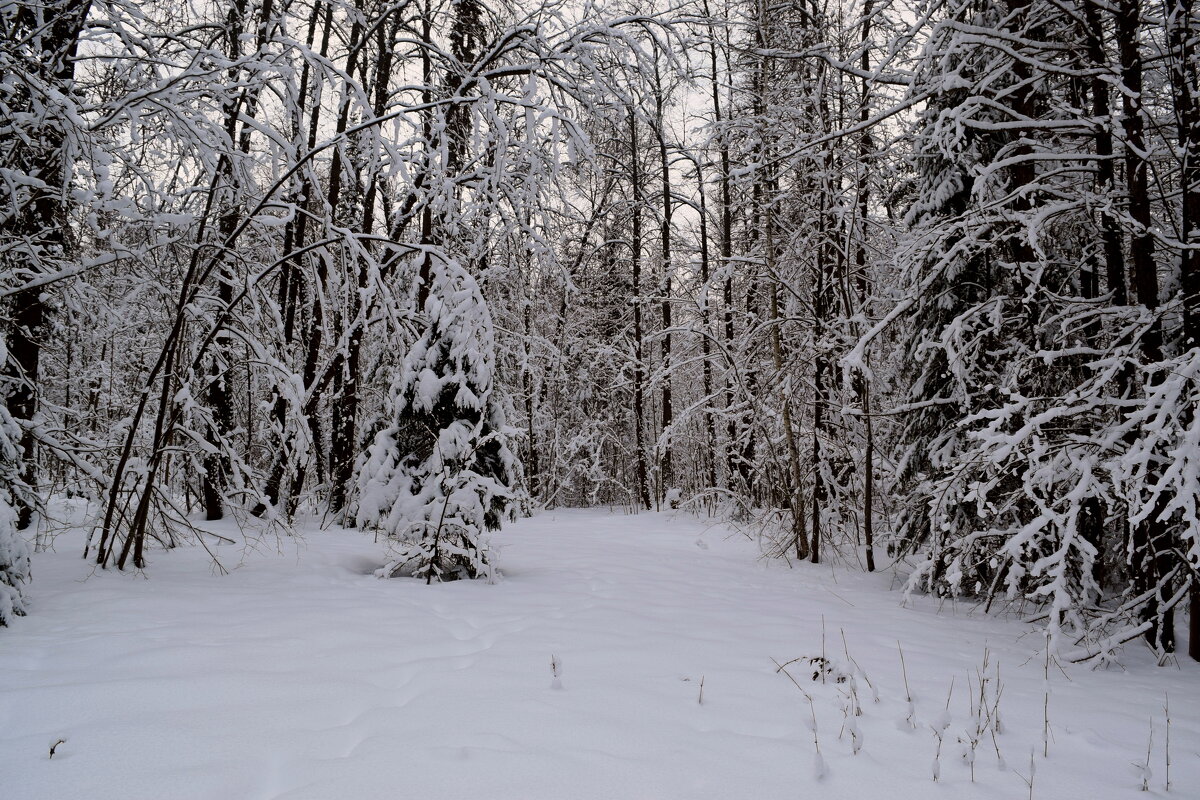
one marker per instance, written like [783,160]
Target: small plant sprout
[54,747]
[851,711]
[985,710]
[819,768]
[555,672]
[996,726]
[1046,701]
[855,671]
[937,754]
[1032,771]
[911,716]
[1143,770]
[995,729]
[856,736]
[1167,746]
[824,660]
[939,726]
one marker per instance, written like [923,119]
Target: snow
[299,675]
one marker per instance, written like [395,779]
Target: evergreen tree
[14,552]
[953,283]
[442,473]
[991,498]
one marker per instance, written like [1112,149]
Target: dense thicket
[868,276]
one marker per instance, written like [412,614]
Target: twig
[1167,713]
[1146,766]
[791,678]
[857,666]
[811,707]
[1046,701]
[824,660]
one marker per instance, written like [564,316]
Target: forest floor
[300,675]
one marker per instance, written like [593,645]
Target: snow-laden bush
[441,474]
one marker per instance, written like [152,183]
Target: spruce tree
[957,287]
[997,468]
[14,552]
[441,474]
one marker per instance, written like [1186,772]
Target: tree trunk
[795,475]
[863,192]
[710,443]
[291,276]
[1185,78]
[343,403]
[666,472]
[639,364]
[41,222]
[725,233]
[1148,542]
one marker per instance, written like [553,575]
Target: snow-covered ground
[300,675]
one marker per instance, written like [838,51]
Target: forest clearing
[301,675]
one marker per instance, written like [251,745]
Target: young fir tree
[998,497]
[441,473]
[955,282]
[14,552]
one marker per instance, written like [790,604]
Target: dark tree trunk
[344,444]
[1185,78]
[863,192]
[344,381]
[218,396]
[819,369]
[529,390]
[725,232]
[41,222]
[710,430]
[666,472]
[822,302]
[1149,553]
[639,363]
[292,275]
